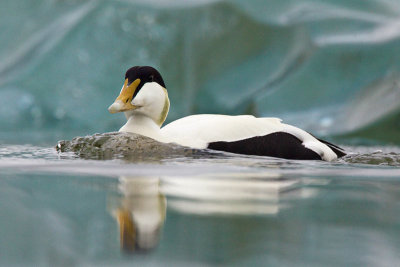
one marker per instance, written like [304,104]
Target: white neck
[142,124]
[153,105]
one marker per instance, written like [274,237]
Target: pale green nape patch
[164,112]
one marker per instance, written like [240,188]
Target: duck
[144,100]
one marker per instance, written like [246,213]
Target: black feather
[279,145]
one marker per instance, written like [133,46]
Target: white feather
[310,142]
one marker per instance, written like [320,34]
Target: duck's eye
[151,78]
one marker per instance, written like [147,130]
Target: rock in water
[128,146]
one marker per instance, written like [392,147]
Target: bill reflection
[140,213]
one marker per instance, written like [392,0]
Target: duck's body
[145,102]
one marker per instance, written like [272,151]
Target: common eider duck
[144,100]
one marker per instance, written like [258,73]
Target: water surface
[58,209]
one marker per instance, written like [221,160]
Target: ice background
[330,67]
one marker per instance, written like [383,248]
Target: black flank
[279,144]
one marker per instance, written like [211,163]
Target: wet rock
[128,146]
[373,158]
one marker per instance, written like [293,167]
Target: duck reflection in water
[141,211]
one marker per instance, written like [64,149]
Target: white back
[199,130]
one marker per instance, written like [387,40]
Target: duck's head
[143,93]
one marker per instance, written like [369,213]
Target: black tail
[338,150]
